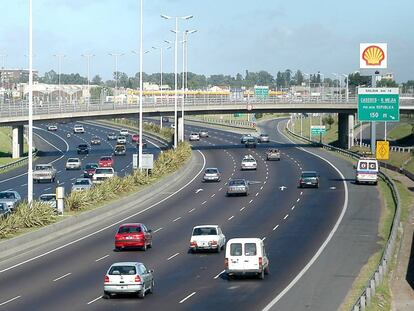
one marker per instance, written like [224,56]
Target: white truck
[44,172]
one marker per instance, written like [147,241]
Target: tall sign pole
[30,151]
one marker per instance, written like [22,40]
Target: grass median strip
[76,202]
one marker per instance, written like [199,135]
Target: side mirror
[149,230]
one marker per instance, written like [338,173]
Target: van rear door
[236,256]
[251,258]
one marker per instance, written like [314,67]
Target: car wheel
[144,248]
[117,249]
[150,245]
[151,290]
[141,293]
[262,274]
[106,295]
[267,270]
[218,249]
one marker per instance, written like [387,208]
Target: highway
[293,222]
[56,148]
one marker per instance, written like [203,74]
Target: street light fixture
[176,69]
[88,57]
[116,55]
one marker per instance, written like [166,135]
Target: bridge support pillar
[17,141]
[343,130]
[351,124]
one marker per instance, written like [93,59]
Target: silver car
[212,174]
[203,133]
[73,164]
[49,198]
[11,198]
[238,186]
[194,136]
[4,210]
[128,278]
[82,184]
[263,138]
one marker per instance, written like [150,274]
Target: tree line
[282,81]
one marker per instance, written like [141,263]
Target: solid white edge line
[61,277]
[189,296]
[111,225]
[218,275]
[10,300]
[325,243]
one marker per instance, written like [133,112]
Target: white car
[49,198]
[194,136]
[128,277]
[248,163]
[82,184]
[246,256]
[123,132]
[52,128]
[102,174]
[73,164]
[207,237]
[121,140]
[78,129]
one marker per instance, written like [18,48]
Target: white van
[367,171]
[246,256]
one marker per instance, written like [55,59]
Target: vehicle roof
[47,194]
[303,172]
[203,226]
[43,164]
[131,224]
[368,159]
[106,157]
[77,159]
[126,263]
[8,191]
[211,168]
[245,240]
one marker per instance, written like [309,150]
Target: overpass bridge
[16,114]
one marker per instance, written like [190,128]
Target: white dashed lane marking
[62,277]
[178,218]
[230,218]
[171,257]
[103,257]
[191,210]
[287,215]
[274,228]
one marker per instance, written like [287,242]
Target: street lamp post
[309,86]
[30,151]
[140,86]
[59,57]
[338,87]
[88,57]
[175,70]
[116,55]
[161,71]
[347,87]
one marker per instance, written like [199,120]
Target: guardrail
[376,279]
[16,163]
[392,148]
[231,123]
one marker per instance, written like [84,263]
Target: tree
[97,80]
[387,83]
[408,87]
[328,120]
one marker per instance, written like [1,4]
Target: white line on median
[293,207]
[61,277]
[213,195]
[251,201]
[159,229]
[287,215]
[103,257]
[92,301]
[204,203]
[10,300]
[189,296]
[275,227]
[221,189]
[298,200]
[171,257]
[230,218]
[242,208]
[178,218]
[218,275]
[191,210]
[257,194]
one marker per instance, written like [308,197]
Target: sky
[232,35]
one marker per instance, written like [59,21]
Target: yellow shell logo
[373,55]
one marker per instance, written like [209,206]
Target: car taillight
[301,180]
[137,279]
[260,262]
[106,279]
[193,243]
[226,262]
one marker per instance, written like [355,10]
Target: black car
[95,141]
[309,179]
[165,119]
[111,136]
[83,149]
[250,142]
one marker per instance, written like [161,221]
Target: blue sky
[233,35]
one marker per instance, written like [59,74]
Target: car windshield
[236,183]
[129,229]
[194,134]
[103,171]
[95,138]
[205,231]
[91,166]
[106,159]
[249,139]
[264,135]
[73,160]
[309,175]
[111,134]
[82,182]
[122,270]
[211,171]
[47,198]
[41,167]
[120,148]
[273,150]
[83,146]
[7,195]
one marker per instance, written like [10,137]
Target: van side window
[235,249]
[250,249]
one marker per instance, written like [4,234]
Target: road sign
[261,91]
[318,129]
[378,104]
[383,150]
[147,161]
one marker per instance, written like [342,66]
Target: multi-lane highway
[294,223]
[57,147]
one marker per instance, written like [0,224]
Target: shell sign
[373,55]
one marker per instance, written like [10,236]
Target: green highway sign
[318,129]
[261,91]
[378,104]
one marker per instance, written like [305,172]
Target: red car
[135,138]
[106,161]
[133,235]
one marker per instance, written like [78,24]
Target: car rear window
[235,249]
[365,165]
[82,182]
[129,229]
[41,167]
[103,171]
[47,198]
[73,160]
[250,249]
[308,175]
[205,231]
[106,159]
[122,270]
[7,195]
[211,171]
[236,183]
[91,166]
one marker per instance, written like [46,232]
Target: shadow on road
[240,146]
[410,269]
